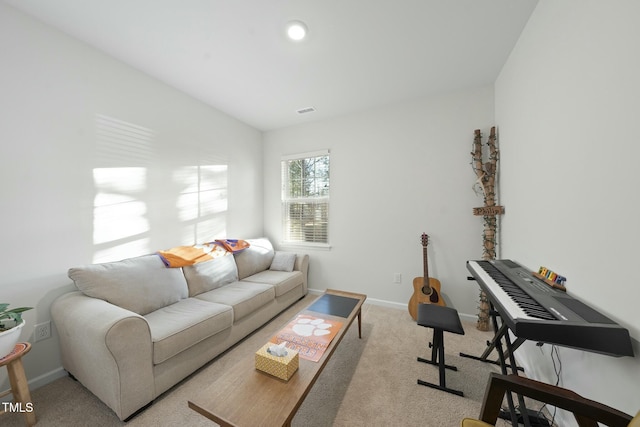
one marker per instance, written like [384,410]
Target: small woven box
[282,367]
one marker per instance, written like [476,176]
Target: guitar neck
[425,263]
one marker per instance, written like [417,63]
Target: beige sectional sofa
[135,328]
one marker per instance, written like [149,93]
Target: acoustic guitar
[426,290]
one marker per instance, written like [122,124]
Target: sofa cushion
[142,284]
[255,258]
[205,276]
[244,297]
[282,281]
[177,327]
[283,261]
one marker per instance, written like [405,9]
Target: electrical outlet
[42,331]
[397,278]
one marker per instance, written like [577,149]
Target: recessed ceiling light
[296,30]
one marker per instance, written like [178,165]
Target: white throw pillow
[283,261]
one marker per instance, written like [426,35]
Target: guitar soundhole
[431,293]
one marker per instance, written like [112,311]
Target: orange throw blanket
[181,256]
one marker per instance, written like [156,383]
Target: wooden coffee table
[244,396]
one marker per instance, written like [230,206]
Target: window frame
[286,199]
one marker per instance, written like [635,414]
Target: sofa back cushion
[142,284]
[209,275]
[255,258]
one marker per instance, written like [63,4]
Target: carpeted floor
[368,382]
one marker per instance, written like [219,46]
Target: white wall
[567,106]
[395,172]
[55,92]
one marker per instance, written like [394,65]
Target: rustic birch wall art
[486,185]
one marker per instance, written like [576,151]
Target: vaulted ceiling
[359,54]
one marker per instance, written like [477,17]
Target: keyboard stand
[491,345]
[521,415]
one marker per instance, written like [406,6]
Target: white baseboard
[46,378]
[40,381]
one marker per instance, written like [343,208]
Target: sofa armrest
[108,349]
[302,265]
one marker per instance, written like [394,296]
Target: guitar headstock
[424,239]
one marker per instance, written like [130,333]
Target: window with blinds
[305,198]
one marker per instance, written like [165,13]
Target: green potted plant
[11,322]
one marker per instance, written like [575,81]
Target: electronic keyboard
[535,311]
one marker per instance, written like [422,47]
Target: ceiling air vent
[306,110]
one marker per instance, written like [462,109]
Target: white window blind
[305,198]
